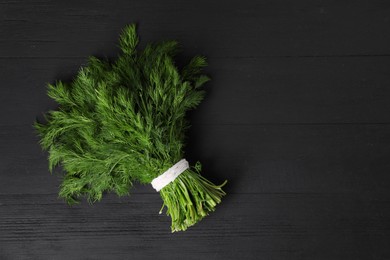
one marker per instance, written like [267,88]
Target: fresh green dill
[123,121]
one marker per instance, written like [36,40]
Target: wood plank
[273,158]
[273,226]
[300,158]
[243,91]
[242,28]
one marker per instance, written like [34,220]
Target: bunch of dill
[123,121]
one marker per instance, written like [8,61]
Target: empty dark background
[297,118]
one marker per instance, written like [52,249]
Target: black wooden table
[297,118]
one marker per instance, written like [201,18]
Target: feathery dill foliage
[124,121]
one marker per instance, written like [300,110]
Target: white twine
[170,175]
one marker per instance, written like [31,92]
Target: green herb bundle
[123,121]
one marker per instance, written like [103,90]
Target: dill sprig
[123,121]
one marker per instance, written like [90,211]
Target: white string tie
[170,175]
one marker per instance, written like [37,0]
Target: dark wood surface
[297,118]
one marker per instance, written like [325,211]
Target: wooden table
[297,119]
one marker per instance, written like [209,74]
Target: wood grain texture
[246,226]
[297,118]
